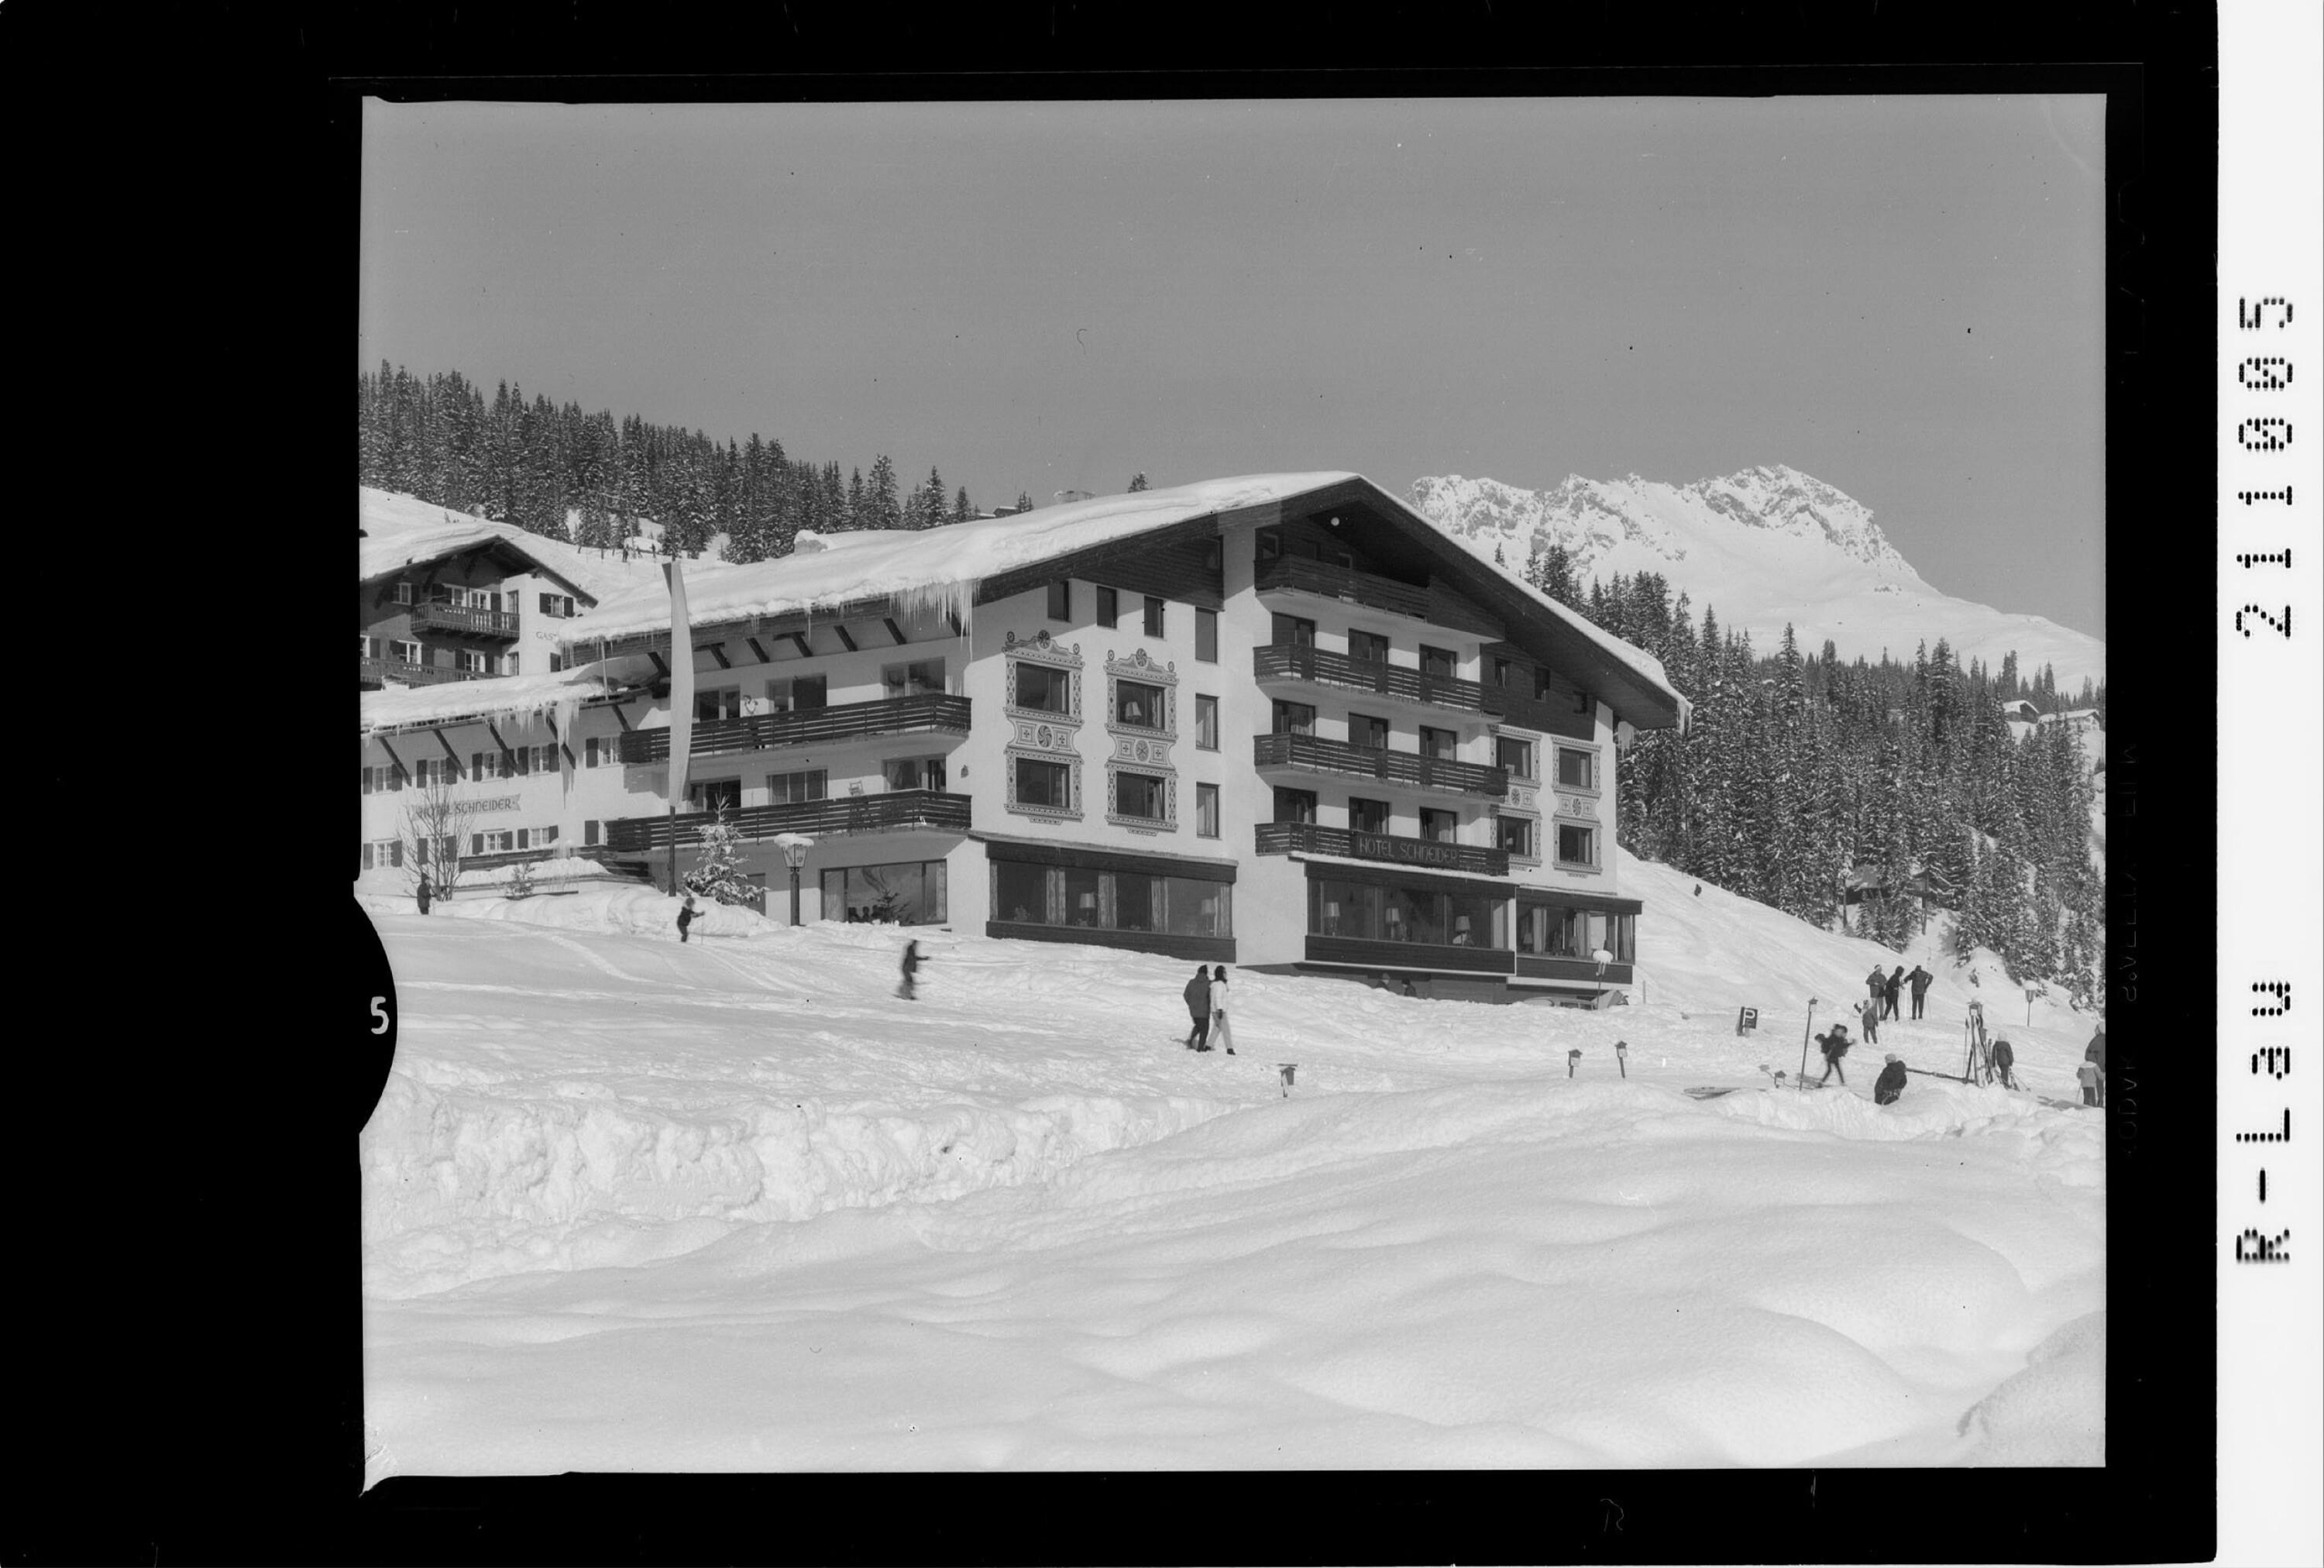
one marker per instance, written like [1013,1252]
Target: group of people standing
[1206,1004]
[1886,992]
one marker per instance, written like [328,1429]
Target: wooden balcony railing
[1553,718]
[897,715]
[1307,837]
[1312,576]
[410,674]
[462,618]
[1279,661]
[894,811]
[1321,756]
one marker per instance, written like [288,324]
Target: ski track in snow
[1012,1224]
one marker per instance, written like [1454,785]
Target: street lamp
[794,846]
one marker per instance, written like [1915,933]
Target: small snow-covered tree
[1138,482]
[717,875]
[520,879]
[434,833]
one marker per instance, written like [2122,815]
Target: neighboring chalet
[1278,722]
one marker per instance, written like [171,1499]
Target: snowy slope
[1762,547]
[732,1205]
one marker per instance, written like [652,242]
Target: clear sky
[1903,296]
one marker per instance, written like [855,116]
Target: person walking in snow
[911,970]
[2093,1080]
[1891,1082]
[685,916]
[1219,1009]
[2096,1053]
[1198,1008]
[1920,980]
[1834,1046]
[1896,983]
[423,893]
[1871,1017]
[2004,1057]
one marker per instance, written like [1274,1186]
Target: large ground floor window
[905,892]
[1391,912]
[1556,933]
[1111,900]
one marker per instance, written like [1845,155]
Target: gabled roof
[400,531]
[397,707]
[944,566]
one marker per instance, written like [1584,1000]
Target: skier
[1877,984]
[685,916]
[911,969]
[1920,980]
[423,894]
[1896,983]
[1834,1046]
[1198,1007]
[2003,1058]
[2092,1078]
[1891,1082]
[1219,1009]
[1871,1015]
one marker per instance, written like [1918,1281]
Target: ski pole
[1803,1042]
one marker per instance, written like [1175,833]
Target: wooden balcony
[1316,667]
[1378,954]
[1301,575]
[1537,967]
[463,621]
[1551,718]
[927,712]
[376,670]
[1313,754]
[1307,837]
[898,811]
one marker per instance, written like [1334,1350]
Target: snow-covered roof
[939,565]
[497,697]
[403,530]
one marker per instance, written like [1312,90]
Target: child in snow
[911,969]
[1871,1017]
[1834,1046]
[1198,1008]
[1891,1082]
[685,916]
[2092,1079]
[2003,1057]
[1219,1009]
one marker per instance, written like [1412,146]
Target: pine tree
[1137,481]
[718,873]
[886,511]
[1024,501]
[961,509]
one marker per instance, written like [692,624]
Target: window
[544,758]
[1109,608]
[1440,826]
[402,651]
[1207,724]
[1438,661]
[1041,783]
[403,594]
[1364,730]
[1293,632]
[1367,815]
[1369,646]
[1581,702]
[1138,705]
[1206,811]
[1061,599]
[1021,893]
[558,605]
[796,788]
[1140,794]
[508,662]
[1500,672]
[1213,554]
[591,755]
[473,662]
[1044,688]
[1516,756]
[1206,636]
[714,794]
[1372,912]
[1515,835]
[1295,718]
[369,646]
[1271,543]
[914,773]
[1153,616]
[926,674]
[723,702]
[1123,900]
[1443,743]
[485,765]
[1576,846]
[904,892]
[1576,769]
[797,693]
[1541,686]
[589,831]
[1295,806]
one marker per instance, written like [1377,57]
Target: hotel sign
[1417,852]
[496,803]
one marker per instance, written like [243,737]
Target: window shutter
[478,846]
[366,783]
[520,837]
[396,853]
[589,831]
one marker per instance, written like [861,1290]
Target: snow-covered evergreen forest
[1798,770]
